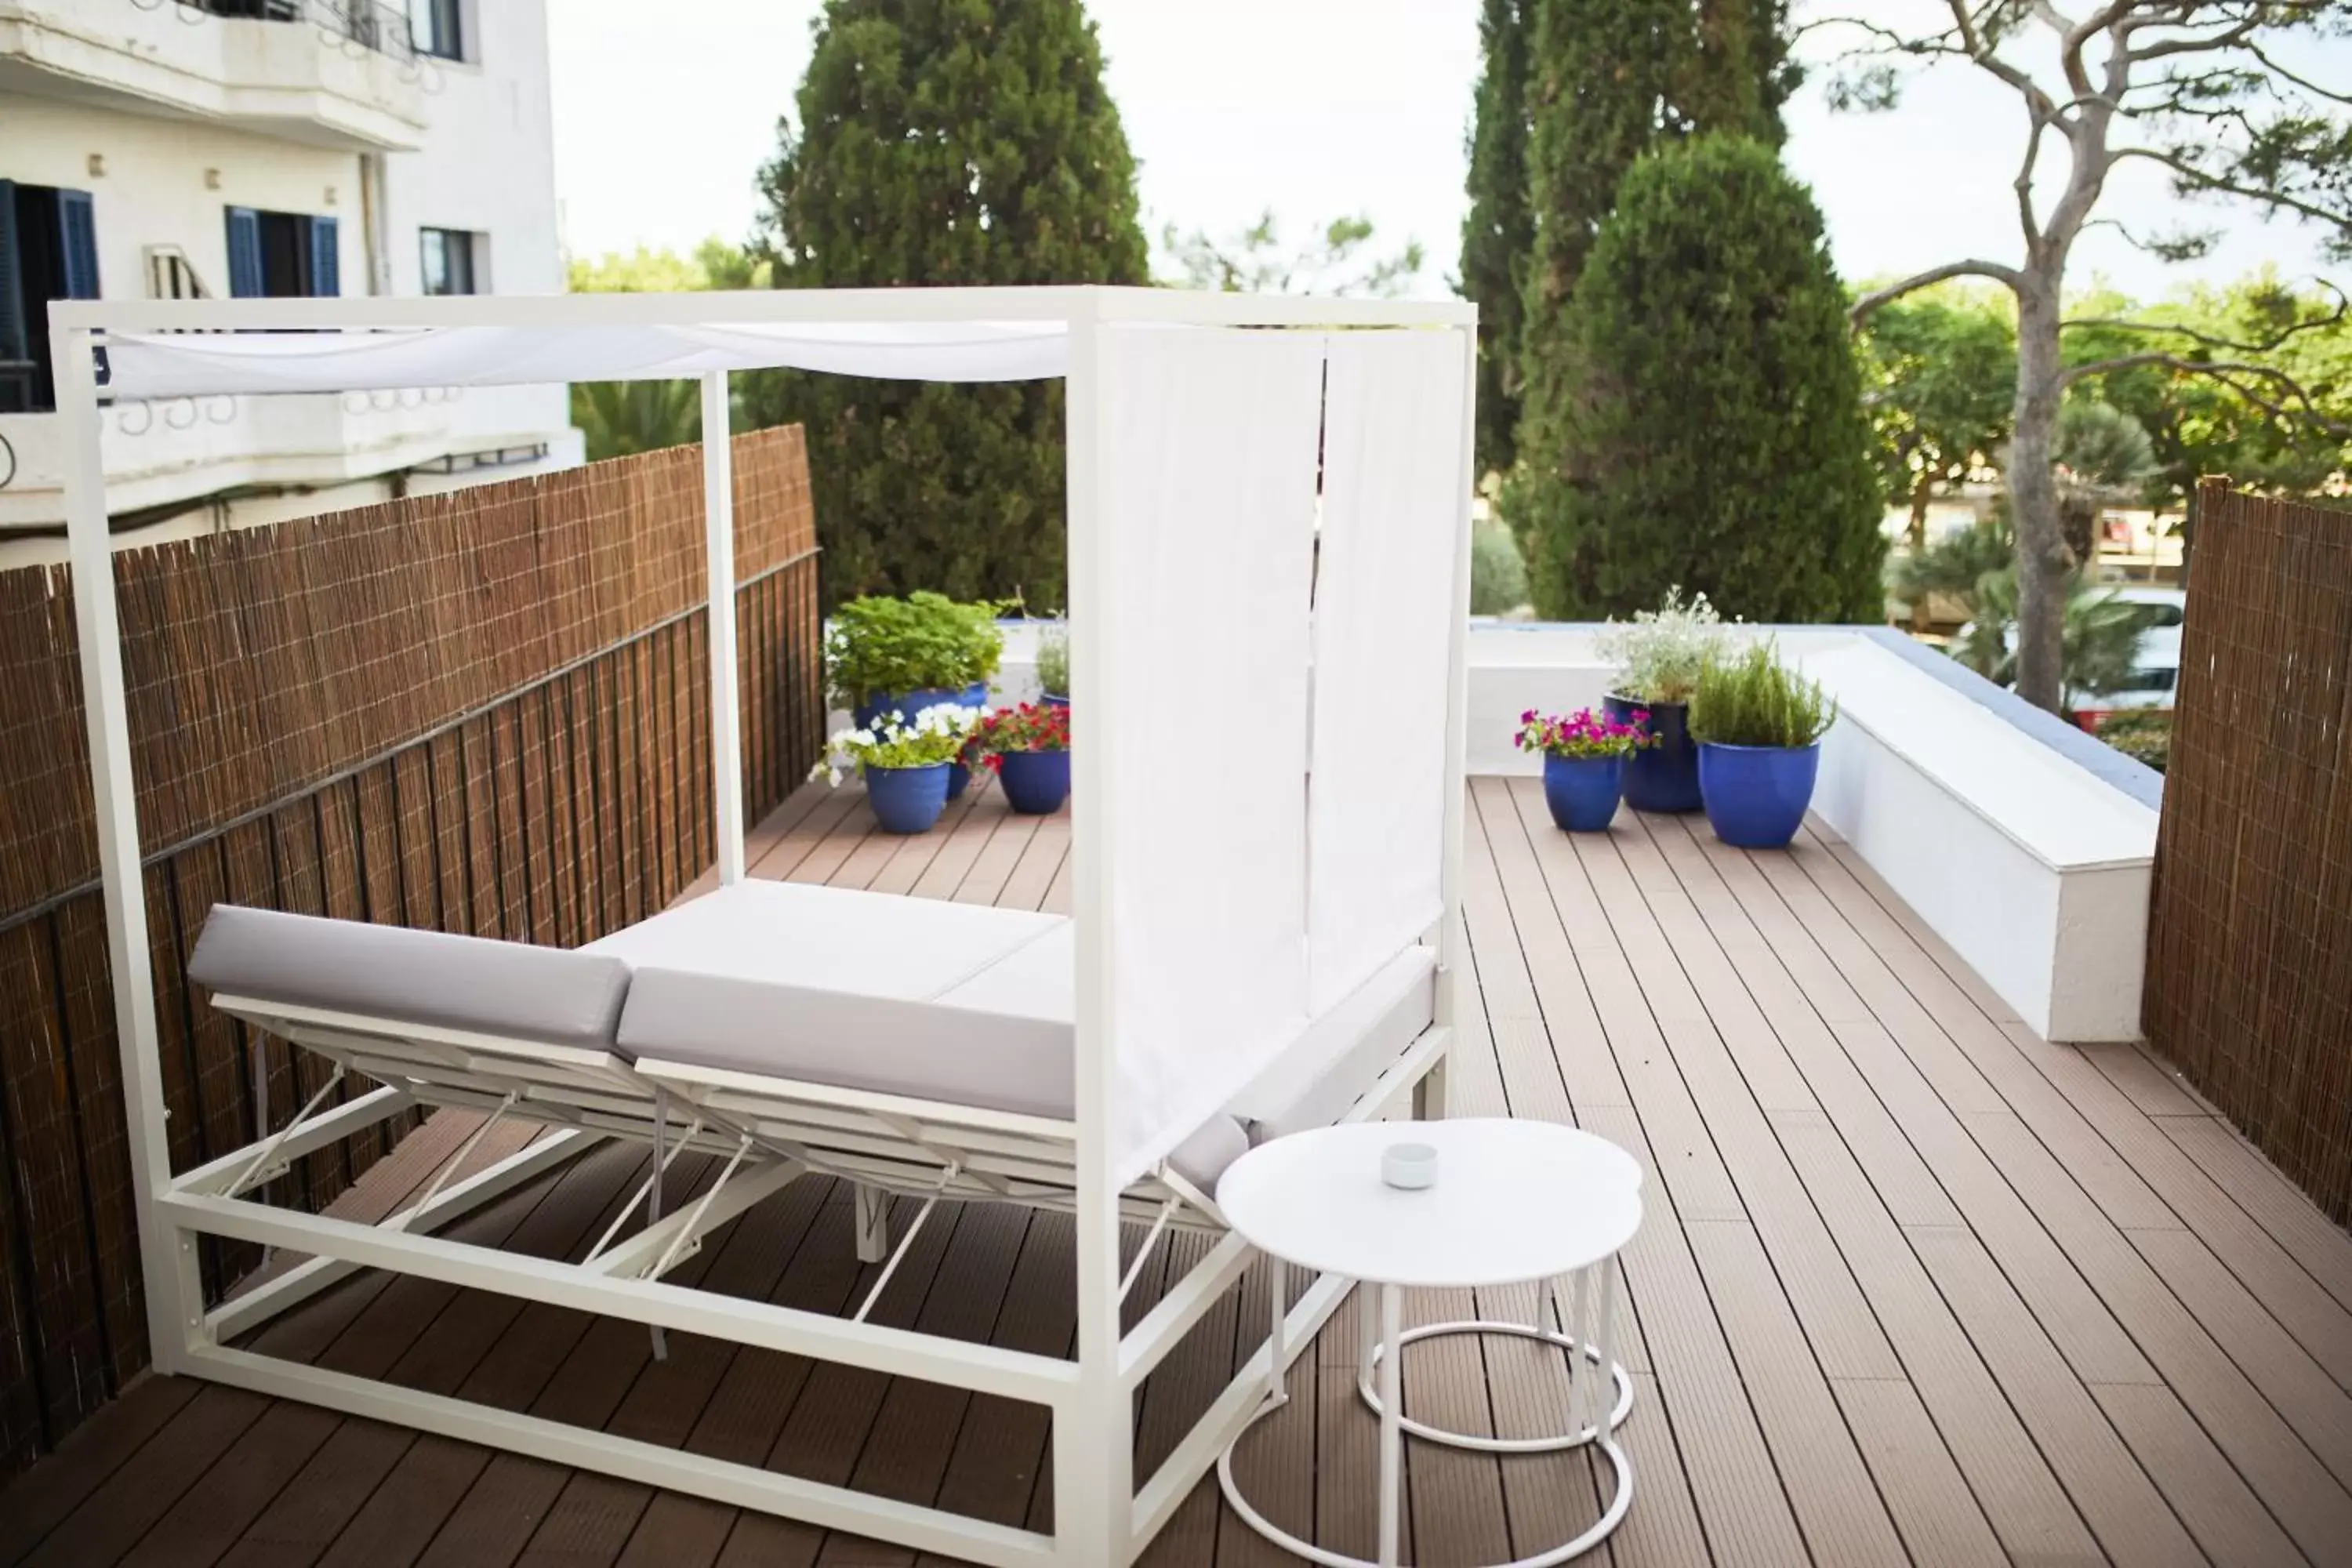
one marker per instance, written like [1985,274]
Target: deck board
[1913,1284]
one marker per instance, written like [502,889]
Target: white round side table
[1511,1202]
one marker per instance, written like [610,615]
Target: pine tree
[944,142]
[1715,438]
[1498,233]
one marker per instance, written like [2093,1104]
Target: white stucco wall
[488,165]
[153,189]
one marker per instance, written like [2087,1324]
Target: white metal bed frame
[766,1130]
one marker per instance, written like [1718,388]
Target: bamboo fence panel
[483,712]
[2249,932]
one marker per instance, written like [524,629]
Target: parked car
[2155,667]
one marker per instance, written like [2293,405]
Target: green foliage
[1754,699]
[1607,81]
[2196,424]
[1660,653]
[1054,660]
[1941,373]
[950,142]
[620,418]
[1498,232]
[2103,459]
[1256,261]
[1712,431]
[2144,735]
[617,418]
[1498,576]
[715,264]
[2098,635]
[924,642]
[1953,565]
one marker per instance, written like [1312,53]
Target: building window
[449,261]
[276,256]
[48,251]
[437,28]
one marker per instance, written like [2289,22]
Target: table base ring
[1621,1497]
[1622,1387]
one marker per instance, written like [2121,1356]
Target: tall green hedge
[1498,232]
[1607,80]
[1706,428]
[944,142]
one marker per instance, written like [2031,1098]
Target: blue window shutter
[78,231]
[12,297]
[244,254]
[326,258]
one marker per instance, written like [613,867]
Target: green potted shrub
[1054,664]
[905,763]
[885,655]
[1659,654]
[1759,725]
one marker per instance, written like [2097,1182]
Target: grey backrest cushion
[926,1050]
[470,982]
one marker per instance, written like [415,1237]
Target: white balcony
[333,73]
[176,450]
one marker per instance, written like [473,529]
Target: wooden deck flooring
[1914,1286]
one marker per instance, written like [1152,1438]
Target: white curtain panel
[1208,494]
[1384,602]
[194,365]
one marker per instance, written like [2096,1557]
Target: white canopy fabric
[1383,615]
[1210,448]
[195,364]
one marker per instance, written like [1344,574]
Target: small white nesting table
[1513,1202]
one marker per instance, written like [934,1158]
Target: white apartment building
[167,148]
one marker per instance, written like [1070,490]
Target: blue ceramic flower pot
[1756,796]
[1663,778]
[1582,792]
[907,800]
[1035,783]
[913,702]
[958,780]
[1054,700]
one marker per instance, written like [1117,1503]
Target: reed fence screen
[486,711]
[2249,936]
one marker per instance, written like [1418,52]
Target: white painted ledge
[2033,867]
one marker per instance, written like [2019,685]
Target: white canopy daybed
[1263,933]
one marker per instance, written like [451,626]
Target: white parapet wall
[2026,845]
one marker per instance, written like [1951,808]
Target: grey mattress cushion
[926,1050]
[923,1050]
[431,978]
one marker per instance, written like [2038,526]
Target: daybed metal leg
[1429,1094]
[873,1224]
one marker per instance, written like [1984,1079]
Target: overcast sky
[1313,108]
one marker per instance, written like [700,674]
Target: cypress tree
[1498,233]
[944,142]
[1715,436]
[1608,80]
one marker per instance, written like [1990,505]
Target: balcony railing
[356,24]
